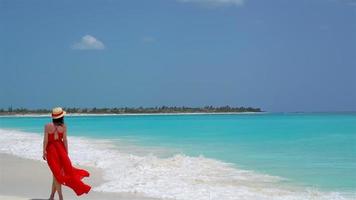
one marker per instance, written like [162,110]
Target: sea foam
[178,177]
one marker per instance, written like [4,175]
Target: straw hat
[58,112]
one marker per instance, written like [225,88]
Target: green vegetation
[132,110]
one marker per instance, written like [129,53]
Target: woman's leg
[53,191]
[58,187]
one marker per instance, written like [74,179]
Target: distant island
[134,110]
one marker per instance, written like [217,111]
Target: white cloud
[88,42]
[216,2]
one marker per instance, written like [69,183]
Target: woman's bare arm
[65,138]
[45,141]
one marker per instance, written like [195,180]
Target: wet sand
[25,179]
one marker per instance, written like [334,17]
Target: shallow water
[310,153]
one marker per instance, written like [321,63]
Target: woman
[55,152]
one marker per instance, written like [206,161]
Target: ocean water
[211,156]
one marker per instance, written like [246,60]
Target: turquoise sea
[314,150]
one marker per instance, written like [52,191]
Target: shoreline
[16,183]
[171,114]
[27,179]
[132,114]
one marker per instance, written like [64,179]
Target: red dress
[61,166]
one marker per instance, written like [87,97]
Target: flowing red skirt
[62,169]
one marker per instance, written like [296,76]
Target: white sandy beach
[25,179]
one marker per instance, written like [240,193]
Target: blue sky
[280,55]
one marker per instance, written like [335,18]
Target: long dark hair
[58,121]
